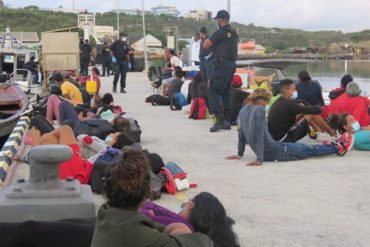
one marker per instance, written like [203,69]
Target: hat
[203,30]
[237,81]
[222,14]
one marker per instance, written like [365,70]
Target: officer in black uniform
[224,44]
[120,51]
[106,59]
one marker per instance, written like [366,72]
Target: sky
[310,15]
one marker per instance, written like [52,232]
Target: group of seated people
[129,217]
[299,110]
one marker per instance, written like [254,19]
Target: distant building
[251,48]
[154,45]
[199,15]
[165,10]
[104,31]
[133,12]
[25,38]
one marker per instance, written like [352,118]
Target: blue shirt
[362,140]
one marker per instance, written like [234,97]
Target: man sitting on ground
[308,90]
[238,98]
[290,121]
[253,131]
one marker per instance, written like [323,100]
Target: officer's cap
[123,34]
[222,14]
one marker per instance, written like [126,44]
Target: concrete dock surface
[315,202]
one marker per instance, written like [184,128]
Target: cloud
[302,14]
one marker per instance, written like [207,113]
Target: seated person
[185,86]
[76,167]
[119,221]
[347,123]
[338,95]
[69,90]
[95,73]
[204,213]
[253,132]
[308,90]
[289,121]
[238,98]
[167,82]
[342,89]
[176,84]
[355,104]
[261,82]
[198,88]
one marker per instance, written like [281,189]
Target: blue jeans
[299,151]
[219,92]
[206,67]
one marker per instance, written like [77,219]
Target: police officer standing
[224,45]
[106,59]
[121,56]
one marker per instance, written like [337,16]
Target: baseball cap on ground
[222,14]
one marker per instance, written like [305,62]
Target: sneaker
[325,138]
[344,143]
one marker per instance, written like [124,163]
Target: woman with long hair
[119,222]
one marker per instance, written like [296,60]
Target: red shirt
[356,106]
[76,167]
[335,104]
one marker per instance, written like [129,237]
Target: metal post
[144,34]
[118,19]
[228,7]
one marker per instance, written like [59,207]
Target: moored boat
[13,102]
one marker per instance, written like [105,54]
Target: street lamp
[118,19]
[144,34]
[228,6]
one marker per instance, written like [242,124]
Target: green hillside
[277,39]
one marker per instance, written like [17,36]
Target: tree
[32,7]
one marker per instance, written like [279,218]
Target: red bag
[198,109]
[176,178]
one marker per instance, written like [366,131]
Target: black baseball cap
[123,34]
[222,14]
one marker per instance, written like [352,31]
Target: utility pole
[73,8]
[144,34]
[228,7]
[118,19]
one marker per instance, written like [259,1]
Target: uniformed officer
[120,52]
[224,44]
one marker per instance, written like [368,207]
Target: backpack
[135,130]
[176,178]
[157,99]
[198,109]
[108,158]
[177,101]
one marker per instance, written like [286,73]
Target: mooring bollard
[44,163]
[44,196]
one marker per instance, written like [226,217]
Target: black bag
[106,160]
[156,184]
[157,99]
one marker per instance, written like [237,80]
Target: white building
[165,10]
[199,15]
[134,12]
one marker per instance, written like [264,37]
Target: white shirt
[175,61]
[185,88]
[195,48]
